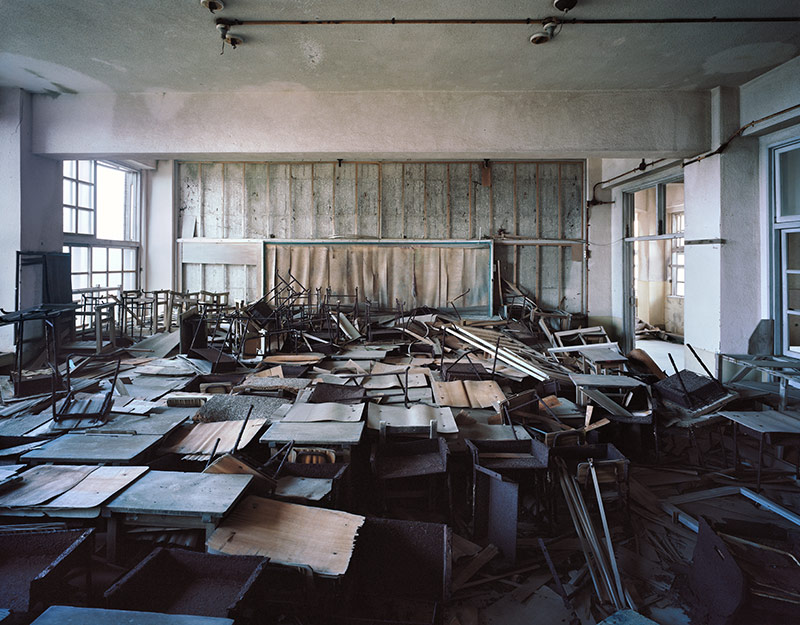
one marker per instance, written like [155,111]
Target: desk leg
[735,448]
[760,462]
[112,538]
[784,389]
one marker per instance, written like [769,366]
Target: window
[101,226]
[786,246]
[677,269]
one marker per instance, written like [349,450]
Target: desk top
[765,421]
[93,448]
[181,494]
[68,615]
[319,433]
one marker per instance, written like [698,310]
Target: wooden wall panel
[541,200]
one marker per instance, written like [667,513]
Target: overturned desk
[340,436]
[784,369]
[174,499]
[776,428]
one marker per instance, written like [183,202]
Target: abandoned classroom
[447,313]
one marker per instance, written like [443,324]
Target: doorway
[655,221]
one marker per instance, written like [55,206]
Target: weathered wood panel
[434,200]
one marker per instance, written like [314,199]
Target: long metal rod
[611,557]
[511,21]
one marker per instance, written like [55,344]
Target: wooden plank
[68,615]
[289,534]
[256,221]
[181,494]
[436,210]
[368,200]
[460,205]
[327,411]
[324,433]
[344,209]
[391,226]
[300,182]
[322,211]
[415,225]
[41,484]
[93,448]
[201,437]
[487,554]
[97,488]
[280,210]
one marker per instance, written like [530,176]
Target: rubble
[402,466]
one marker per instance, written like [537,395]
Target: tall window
[101,226]
[677,271]
[786,246]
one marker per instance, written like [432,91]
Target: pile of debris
[310,458]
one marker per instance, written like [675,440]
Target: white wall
[429,125]
[159,234]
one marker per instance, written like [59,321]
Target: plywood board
[201,437]
[68,615]
[181,494]
[97,488]
[468,393]
[417,377]
[309,488]
[765,421]
[41,484]
[95,448]
[327,411]
[289,534]
[418,416]
[321,433]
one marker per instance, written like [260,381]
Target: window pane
[80,259]
[69,220]
[99,279]
[86,171]
[792,250]
[790,182]
[679,289]
[129,258]
[70,169]
[115,279]
[85,195]
[793,291]
[129,281]
[114,259]
[793,327]
[69,193]
[110,203]
[80,281]
[85,222]
[99,259]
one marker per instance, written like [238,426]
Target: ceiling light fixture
[223,26]
[547,32]
[564,5]
[212,5]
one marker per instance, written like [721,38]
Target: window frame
[781,226]
[131,230]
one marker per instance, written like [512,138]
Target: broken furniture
[37,567]
[66,615]
[91,448]
[174,499]
[771,426]
[610,466]
[782,369]
[95,408]
[178,581]
[400,573]
[341,437]
[324,484]
[49,315]
[289,534]
[498,470]
[411,469]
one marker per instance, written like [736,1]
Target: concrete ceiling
[91,46]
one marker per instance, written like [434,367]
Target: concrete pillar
[723,287]
[158,244]
[30,198]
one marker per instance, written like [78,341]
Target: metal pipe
[508,21]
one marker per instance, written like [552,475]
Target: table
[783,368]
[68,615]
[94,449]
[175,499]
[770,425]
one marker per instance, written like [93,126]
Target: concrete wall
[30,197]
[427,125]
[159,228]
